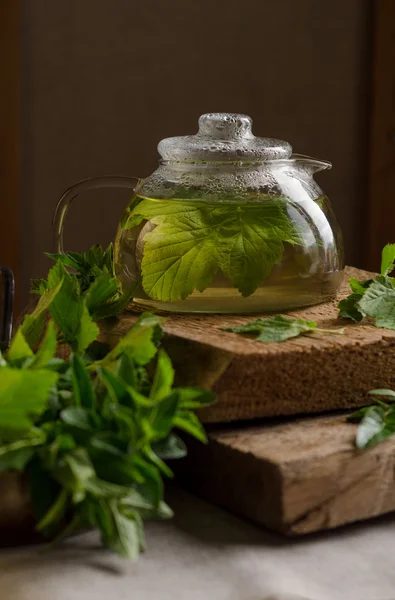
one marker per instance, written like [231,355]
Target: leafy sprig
[279,328]
[92,278]
[377,422]
[92,432]
[375,297]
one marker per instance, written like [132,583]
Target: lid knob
[225,126]
[223,137]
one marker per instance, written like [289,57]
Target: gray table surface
[207,553]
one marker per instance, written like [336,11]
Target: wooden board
[293,477]
[309,374]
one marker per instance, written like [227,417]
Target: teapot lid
[223,137]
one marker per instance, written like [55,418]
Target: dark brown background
[102,82]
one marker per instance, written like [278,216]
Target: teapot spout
[312,165]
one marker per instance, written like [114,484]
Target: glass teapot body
[230,238]
[228,223]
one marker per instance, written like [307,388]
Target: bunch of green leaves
[91,276]
[377,422]
[373,297]
[191,241]
[93,432]
[279,328]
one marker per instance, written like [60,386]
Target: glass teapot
[228,223]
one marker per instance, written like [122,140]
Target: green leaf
[56,513]
[170,448]
[280,328]
[70,259]
[67,306]
[73,472]
[95,512]
[127,370]
[16,455]
[69,311]
[125,540]
[19,348]
[139,341]
[112,464]
[80,465]
[358,415]
[95,255]
[33,324]
[127,423]
[179,254]
[162,417]
[380,392]
[108,258]
[89,265]
[152,485]
[375,427]
[387,259]
[130,218]
[87,333]
[43,489]
[189,422]
[349,308]
[359,287]
[117,388]
[142,503]
[379,302]
[32,328]
[191,241]
[38,286]
[46,350]
[23,397]
[128,496]
[275,329]
[117,307]
[56,275]
[192,398]
[76,417]
[250,327]
[100,291]
[163,378]
[162,511]
[84,394]
[158,462]
[251,242]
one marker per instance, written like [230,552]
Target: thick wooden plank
[304,375]
[295,477]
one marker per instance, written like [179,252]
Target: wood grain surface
[308,374]
[294,477]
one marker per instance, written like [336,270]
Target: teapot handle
[93,183]
[7,306]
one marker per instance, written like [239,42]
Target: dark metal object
[7,306]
